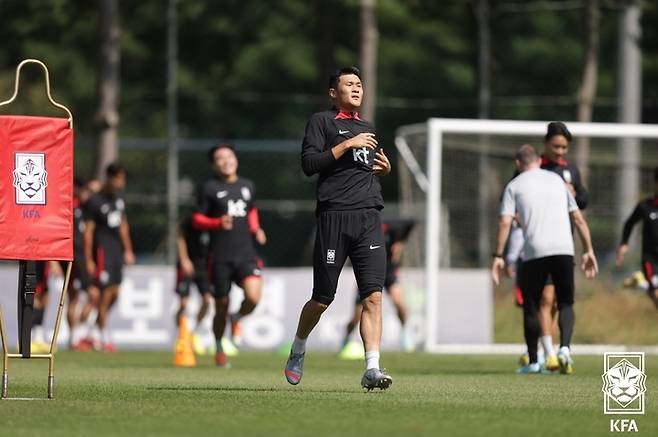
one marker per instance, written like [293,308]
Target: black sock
[566,321]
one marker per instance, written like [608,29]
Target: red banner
[36,184]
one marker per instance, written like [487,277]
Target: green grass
[140,393]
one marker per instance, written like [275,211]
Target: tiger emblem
[30,178]
[624,383]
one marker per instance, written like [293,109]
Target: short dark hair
[212,150]
[557,128]
[333,79]
[526,154]
[79,182]
[115,169]
[655,174]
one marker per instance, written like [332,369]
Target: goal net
[453,175]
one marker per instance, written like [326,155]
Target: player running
[107,245]
[342,149]
[396,233]
[647,212]
[193,250]
[226,207]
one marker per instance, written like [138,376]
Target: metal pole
[433,225]
[484,105]
[172,123]
[5,356]
[629,107]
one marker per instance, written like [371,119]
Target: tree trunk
[325,56]
[106,119]
[368,57]
[587,91]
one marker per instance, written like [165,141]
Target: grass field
[140,393]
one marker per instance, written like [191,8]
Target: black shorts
[109,265]
[223,273]
[650,269]
[534,275]
[354,234]
[200,278]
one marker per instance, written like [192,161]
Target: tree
[587,90]
[106,119]
[368,57]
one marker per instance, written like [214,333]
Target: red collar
[76,202]
[655,201]
[344,115]
[545,161]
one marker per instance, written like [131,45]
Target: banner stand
[27,283]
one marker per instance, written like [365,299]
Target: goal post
[422,148]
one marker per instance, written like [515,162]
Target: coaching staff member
[543,205]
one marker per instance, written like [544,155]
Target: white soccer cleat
[376,378]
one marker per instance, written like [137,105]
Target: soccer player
[647,212]
[544,206]
[342,149]
[107,244]
[556,147]
[226,207]
[396,233]
[193,250]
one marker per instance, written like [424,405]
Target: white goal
[455,170]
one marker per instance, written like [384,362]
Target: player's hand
[381,165]
[91,267]
[227,222]
[509,271]
[497,266]
[129,258]
[396,251]
[589,265]
[187,266]
[56,269]
[260,237]
[621,252]
[362,140]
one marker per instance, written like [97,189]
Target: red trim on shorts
[518,296]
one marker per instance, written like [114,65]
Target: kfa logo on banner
[30,178]
[624,386]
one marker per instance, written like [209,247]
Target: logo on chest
[237,208]
[653,215]
[361,155]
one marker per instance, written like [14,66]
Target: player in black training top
[107,244]
[226,207]
[396,232]
[193,250]
[647,212]
[341,148]
[80,280]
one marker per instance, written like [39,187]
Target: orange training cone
[183,352]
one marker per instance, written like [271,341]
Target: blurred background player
[396,233]
[647,212]
[107,245]
[556,147]
[342,149]
[226,207]
[39,344]
[193,249]
[544,207]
